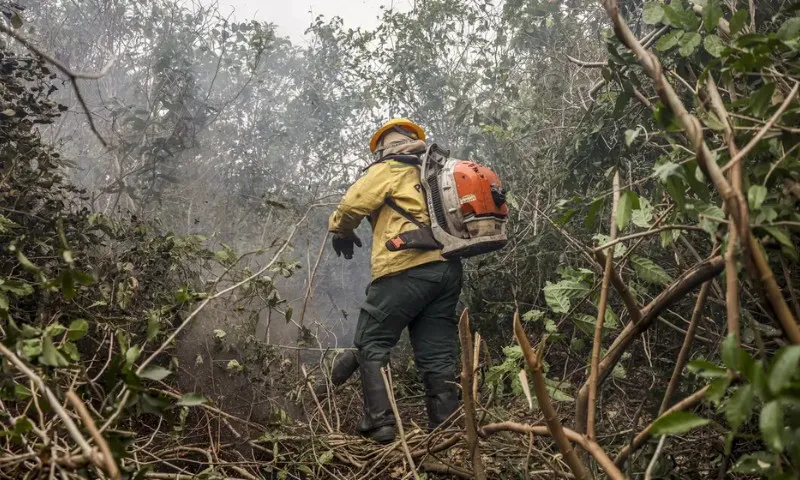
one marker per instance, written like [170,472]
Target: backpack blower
[466,205]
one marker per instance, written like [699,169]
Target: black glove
[343,244]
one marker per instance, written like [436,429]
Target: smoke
[222,129]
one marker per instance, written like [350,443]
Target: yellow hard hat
[395,122]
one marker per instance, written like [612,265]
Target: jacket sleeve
[362,198]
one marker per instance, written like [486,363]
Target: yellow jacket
[367,197]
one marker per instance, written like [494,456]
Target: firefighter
[411,288]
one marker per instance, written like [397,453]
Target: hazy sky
[293,16]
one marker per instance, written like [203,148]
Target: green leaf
[677,422]
[714,45]
[3,301]
[761,100]
[666,170]
[784,368]
[325,458]
[643,215]
[54,330]
[132,354]
[154,372]
[703,368]
[630,136]
[756,195]
[738,21]
[288,314]
[730,352]
[669,40]
[652,13]
[234,366]
[26,264]
[712,12]
[153,325]
[20,289]
[77,329]
[625,208]
[16,20]
[779,235]
[740,406]
[689,43]
[32,348]
[50,356]
[532,316]
[771,425]
[789,33]
[716,390]
[649,271]
[754,463]
[591,214]
[708,215]
[558,295]
[192,400]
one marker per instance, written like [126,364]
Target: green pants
[423,299]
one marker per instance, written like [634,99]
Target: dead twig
[83,412]
[387,381]
[466,391]
[533,359]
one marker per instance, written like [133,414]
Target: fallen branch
[55,404]
[533,359]
[593,448]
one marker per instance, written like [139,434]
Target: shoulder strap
[402,158]
[403,212]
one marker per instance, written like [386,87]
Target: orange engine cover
[474,184]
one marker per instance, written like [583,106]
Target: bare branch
[550,416]
[466,392]
[73,76]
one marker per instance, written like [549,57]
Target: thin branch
[601,315]
[647,233]
[316,400]
[466,392]
[648,474]
[73,76]
[593,448]
[83,412]
[55,404]
[554,426]
[697,314]
[690,124]
[586,64]
[763,131]
[390,391]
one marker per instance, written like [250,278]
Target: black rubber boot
[344,366]
[441,399]
[378,421]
